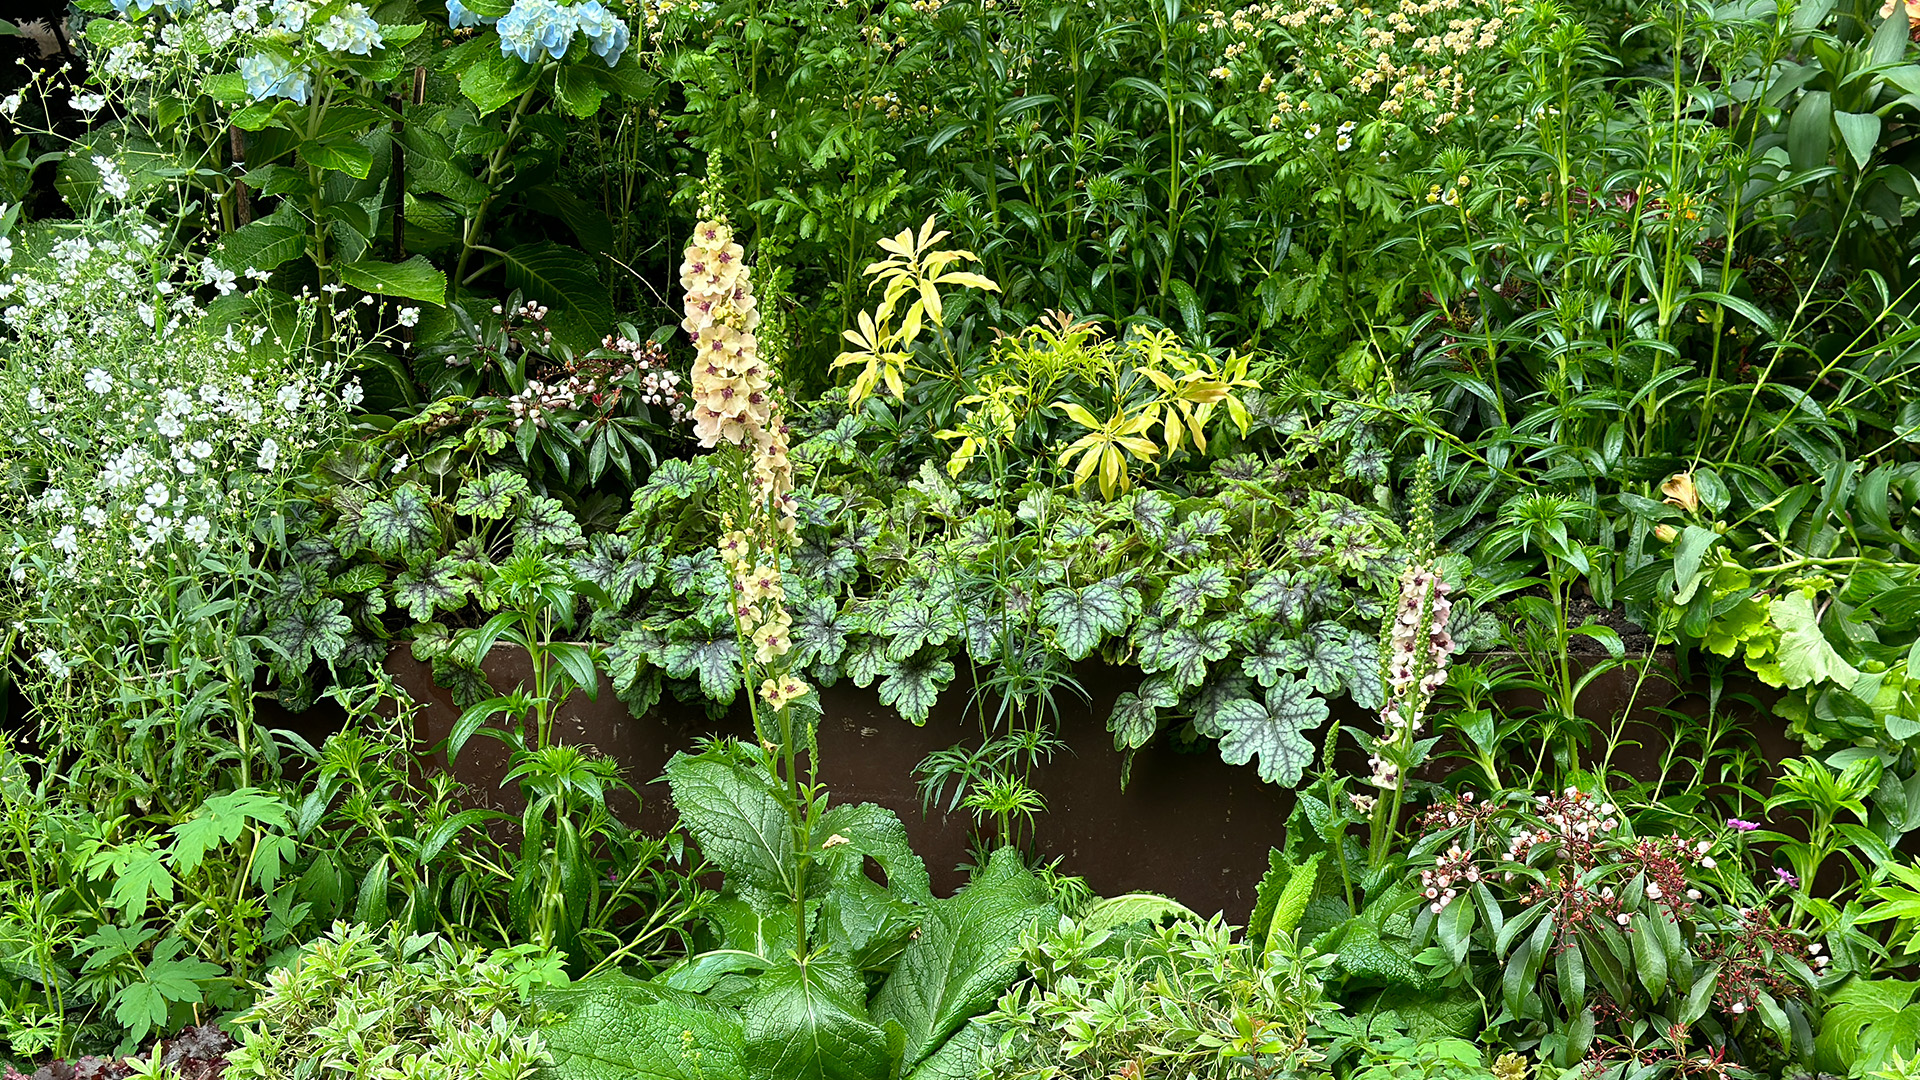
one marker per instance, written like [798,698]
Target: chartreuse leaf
[964,957]
[1867,1021]
[1082,618]
[736,818]
[220,820]
[618,1028]
[807,1020]
[1272,729]
[1118,911]
[1804,656]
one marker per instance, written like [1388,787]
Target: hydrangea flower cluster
[732,385]
[533,27]
[275,74]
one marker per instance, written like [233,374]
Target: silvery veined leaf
[490,495]
[1186,595]
[1183,651]
[433,587]
[912,685]
[819,631]
[1136,713]
[1081,618]
[1273,730]
[310,631]
[543,522]
[400,525]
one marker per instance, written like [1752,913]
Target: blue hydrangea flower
[178,8]
[603,30]
[268,76]
[353,31]
[458,17]
[291,15]
[534,25]
[121,6]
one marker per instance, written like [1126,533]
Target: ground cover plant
[1493,424]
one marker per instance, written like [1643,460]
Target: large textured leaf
[415,279]
[959,1058]
[862,830]
[912,624]
[738,822]
[1081,618]
[309,631]
[711,655]
[1276,594]
[806,1021]
[1866,1021]
[1219,692]
[490,495]
[567,281]
[963,959]
[618,1028]
[1804,654]
[1183,652]
[1272,730]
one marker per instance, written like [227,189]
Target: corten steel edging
[1187,825]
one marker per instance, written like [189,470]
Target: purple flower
[1737,825]
[1786,876]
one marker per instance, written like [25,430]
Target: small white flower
[67,541]
[1623,918]
[401,464]
[200,449]
[409,316]
[197,529]
[94,516]
[185,466]
[1708,862]
[1313,132]
[157,494]
[89,103]
[143,513]
[352,394]
[1653,892]
[49,659]
[99,381]
[269,455]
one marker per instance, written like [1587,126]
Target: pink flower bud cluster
[535,403]
[659,385]
[732,386]
[1573,820]
[1454,868]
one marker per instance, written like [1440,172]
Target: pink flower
[1738,825]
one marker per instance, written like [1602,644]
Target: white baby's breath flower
[49,659]
[409,316]
[269,455]
[89,103]
[352,394]
[157,494]
[94,516]
[197,529]
[99,381]
[200,449]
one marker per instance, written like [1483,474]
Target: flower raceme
[732,385]
[1419,647]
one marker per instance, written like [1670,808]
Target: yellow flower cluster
[732,386]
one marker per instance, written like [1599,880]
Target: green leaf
[339,155]
[912,686]
[1118,911]
[1649,956]
[139,872]
[544,522]
[490,495]
[1186,595]
[220,820]
[1860,132]
[912,625]
[711,655]
[311,631]
[1082,618]
[964,957]
[1183,651]
[1804,655]
[1136,713]
[806,1021]
[496,80]
[262,245]
[400,525]
[578,91]
[618,1028]
[1273,730]
[1866,1022]
[415,279]
[736,818]
[568,282]
[430,588]
[1808,132]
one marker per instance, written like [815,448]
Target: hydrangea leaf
[1273,730]
[1081,618]
[543,522]
[1183,651]
[490,496]
[911,686]
[1187,594]
[400,525]
[434,587]
[311,631]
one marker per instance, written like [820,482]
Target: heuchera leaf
[1186,595]
[311,630]
[1183,651]
[1136,714]
[964,957]
[1081,618]
[400,525]
[912,624]
[911,686]
[710,654]
[1272,730]
[433,587]
[543,522]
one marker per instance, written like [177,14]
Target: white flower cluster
[102,282]
[1419,648]
[659,385]
[533,404]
